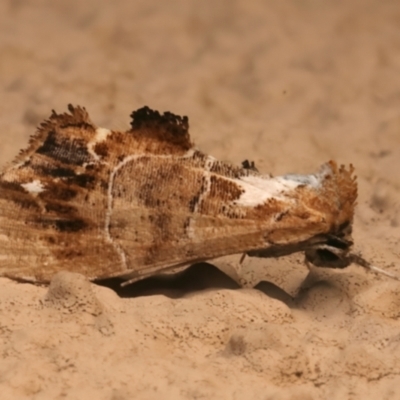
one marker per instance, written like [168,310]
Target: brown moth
[132,204]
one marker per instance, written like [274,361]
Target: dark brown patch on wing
[59,191]
[228,170]
[70,225]
[59,129]
[66,225]
[224,190]
[55,171]
[68,151]
[166,127]
[246,164]
[101,149]
[217,195]
[60,208]
[13,191]
[271,207]
[194,201]
[67,175]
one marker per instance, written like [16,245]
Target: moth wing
[107,203]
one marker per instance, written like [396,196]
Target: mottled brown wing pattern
[107,203]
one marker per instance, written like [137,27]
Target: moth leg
[307,263]
[238,267]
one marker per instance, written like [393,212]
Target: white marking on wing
[100,136]
[258,189]
[190,229]
[35,187]
[107,220]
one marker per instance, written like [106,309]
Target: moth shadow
[197,277]
[275,292]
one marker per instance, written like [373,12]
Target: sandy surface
[288,84]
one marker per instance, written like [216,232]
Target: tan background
[288,84]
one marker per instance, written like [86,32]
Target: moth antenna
[356,259]
[383,272]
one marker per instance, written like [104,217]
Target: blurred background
[287,84]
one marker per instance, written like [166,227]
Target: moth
[133,204]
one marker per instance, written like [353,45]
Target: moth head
[333,250]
